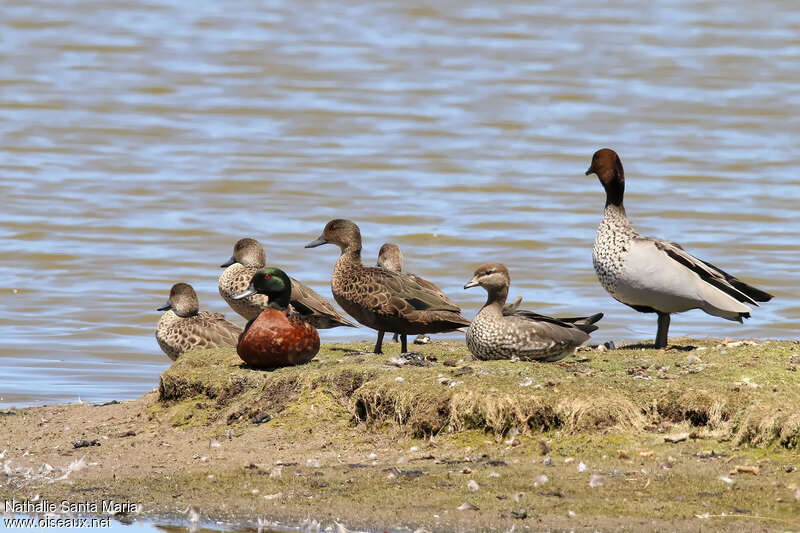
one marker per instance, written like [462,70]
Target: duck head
[274,283]
[493,277]
[608,167]
[182,300]
[247,252]
[390,257]
[343,233]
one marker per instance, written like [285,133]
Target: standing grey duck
[381,299]
[247,259]
[655,276]
[495,334]
[184,327]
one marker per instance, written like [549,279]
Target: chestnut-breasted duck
[247,259]
[382,299]
[278,336]
[529,336]
[184,327]
[656,276]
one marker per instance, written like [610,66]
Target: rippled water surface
[141,139]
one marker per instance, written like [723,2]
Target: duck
[496,333]
[391,258]
[657,276]
[184,327]
[382,299]
[247,259]
[278,336]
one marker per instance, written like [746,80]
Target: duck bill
[166,307]
[247,292]
[319,241]
[590,170]
[228,263]
[471,283]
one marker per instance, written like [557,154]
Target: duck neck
[496,299]
[351,255]
[280,300]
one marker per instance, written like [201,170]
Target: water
[141,139]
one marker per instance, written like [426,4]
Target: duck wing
[429,285]
[510,309]
[402,290]
[711,274]
[543,336]
[316,309]
[583,323]
[212,330]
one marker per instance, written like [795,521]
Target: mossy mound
[742,390]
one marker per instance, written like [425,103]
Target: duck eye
[267,276]
[333,228]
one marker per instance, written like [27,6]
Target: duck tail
[585,323]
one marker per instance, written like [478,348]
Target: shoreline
[702,435]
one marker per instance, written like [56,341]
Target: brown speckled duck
[382,299]
[529,336]
[655,276]
[184,327]
[278,336]
[247,259]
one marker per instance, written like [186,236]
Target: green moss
[735,390]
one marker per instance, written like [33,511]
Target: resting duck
[247,259]
[278,336]
[184,327]
[496,334]
[655,276]
[391,258]
[382,299]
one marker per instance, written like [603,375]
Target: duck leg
[403,343]
[663,328]
[379,342]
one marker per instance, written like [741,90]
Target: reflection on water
[140,140]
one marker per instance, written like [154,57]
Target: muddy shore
[703,435]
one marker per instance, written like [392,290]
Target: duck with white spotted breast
[382,299]
[529,336]
[657,276]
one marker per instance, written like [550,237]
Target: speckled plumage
[278,336]
[528,336]
[183,327]
[382,299]
[653,275]
[248,258]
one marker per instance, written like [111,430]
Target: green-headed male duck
[382,299]
[247,259]
[494,334]
[184,327]
[655,276]
[278,336]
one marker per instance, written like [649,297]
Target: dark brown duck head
[608,167]
[493,277]
[343,233]
[247,252]
[182,300]
[390,257]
